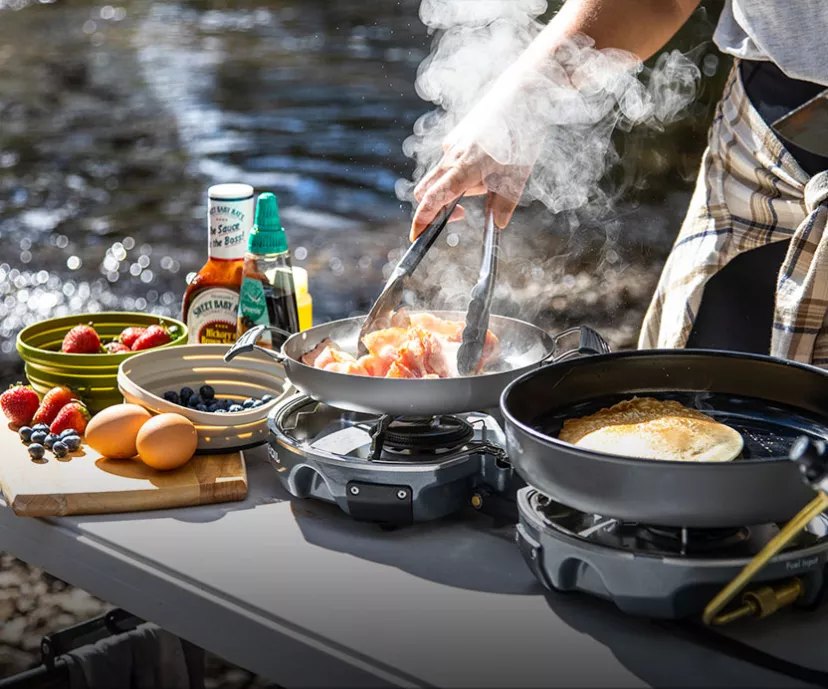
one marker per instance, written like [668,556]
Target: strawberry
[82,339]
[74,415]
[155,336]
[52,403]
[130,335]
[19,404]
[116,348]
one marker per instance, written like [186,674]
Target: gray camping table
[297,592]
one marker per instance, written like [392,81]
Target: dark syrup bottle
[268,293]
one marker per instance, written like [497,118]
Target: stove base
[647,584]
[403,495]
[326,454]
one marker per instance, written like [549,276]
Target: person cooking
[749,269]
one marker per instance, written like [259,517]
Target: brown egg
[167,441]
[114,430]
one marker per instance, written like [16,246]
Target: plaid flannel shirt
[750,192]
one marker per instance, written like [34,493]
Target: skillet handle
[247,343]
[589,343]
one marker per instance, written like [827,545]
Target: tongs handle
[480,306]
[420,247]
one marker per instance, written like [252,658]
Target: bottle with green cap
[268,294]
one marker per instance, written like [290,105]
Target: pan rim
[557,444]
[358,320]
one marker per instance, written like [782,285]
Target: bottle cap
[268,236]
[230,192]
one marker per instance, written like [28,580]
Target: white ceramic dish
[143,379]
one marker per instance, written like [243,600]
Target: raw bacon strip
[433,356]
[399,370]
[386,343]
[351,367]
[453,330]
[418,346]
[310,357]
[330,355]
[374,365]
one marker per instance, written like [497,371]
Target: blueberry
[73,442]
[212,408]
[171,396]
[36,451]
[60,449]
[234,408]
[50,440]
[201,407]
[68,432]
[267,398]
[25,433]
[194,401]
[248,403]
[207,392]
[38,436]
[185,394]
[257,403]
[41,427]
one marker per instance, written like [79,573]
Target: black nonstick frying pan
[771,402]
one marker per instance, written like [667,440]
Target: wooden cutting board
[83,482]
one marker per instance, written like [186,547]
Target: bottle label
[253,308]
[212,317]
[230,222]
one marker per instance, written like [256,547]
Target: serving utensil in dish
[479,309]
[771,402]
[390,298]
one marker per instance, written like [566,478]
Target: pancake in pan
[647,428]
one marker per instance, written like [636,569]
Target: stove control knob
[479,496]
[811,457]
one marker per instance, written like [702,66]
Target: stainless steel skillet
[523,347]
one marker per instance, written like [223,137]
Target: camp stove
[392,470]
[661,572]
[675,573]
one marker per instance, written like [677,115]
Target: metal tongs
[480,306]
[381,312]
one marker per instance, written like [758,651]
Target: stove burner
[427,435]
[693,541]
[405,435]
[660,540]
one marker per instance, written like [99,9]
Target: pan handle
[247,343]
[589,343]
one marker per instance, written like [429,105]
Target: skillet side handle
[589,343]
[247,343]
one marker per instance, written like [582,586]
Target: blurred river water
[115,118]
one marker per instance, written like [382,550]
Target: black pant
[736,311]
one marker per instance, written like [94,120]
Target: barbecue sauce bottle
[211,301]
[268,292]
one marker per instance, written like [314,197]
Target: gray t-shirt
[790,33]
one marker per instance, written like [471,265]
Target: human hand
[482,154]
[468,169]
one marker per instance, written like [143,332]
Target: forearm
[640,27]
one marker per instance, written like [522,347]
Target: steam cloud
[477,39]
